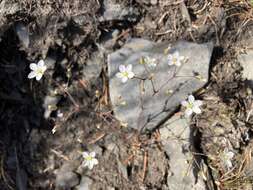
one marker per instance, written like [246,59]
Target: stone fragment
[85,183]
[146,100]
[23,34]
[247,64]
[176,139]
[118,11]
[66,178]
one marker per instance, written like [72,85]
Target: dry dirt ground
[69,31]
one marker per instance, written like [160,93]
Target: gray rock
[247,64]
[146,100]
[93,67]
[85,183]
[117,11]
[23,34]
[7,8]
[65,177]
[175,137]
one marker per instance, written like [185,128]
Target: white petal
[95,161]
[181,58]
[129,68]
[170,63]
[122,68]
[130,75]
[38,77]
[44,68]
[191,99]
[32,75]
[124,79]
[85,163]
[197,103]
[93,154]
[178,63]
[229,163]
[184,103]
[188,112]
[230,155]
[41,63]
[119,75]
[85,154]
[33,66]
[196,109]
[90,166]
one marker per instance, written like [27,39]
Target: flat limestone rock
[247,64]
[154,93]
[176,140]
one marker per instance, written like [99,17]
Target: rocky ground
[137,128]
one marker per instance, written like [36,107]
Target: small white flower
[226,158]
[192,106]
[175,59]
[37,70]
[59,114]
[151,62]
[125,73]
[89,159]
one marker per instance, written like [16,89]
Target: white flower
[151,62]
[226,158]
[192,106]
[175,59]
[37,70]
[125,73]
[89,159]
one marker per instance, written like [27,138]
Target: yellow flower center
[125,74]
[40,71]
[174,60]
[89,158]
[190,105]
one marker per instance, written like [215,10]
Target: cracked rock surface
[176,139]
[146,100]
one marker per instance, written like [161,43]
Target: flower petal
[170,63]
[119,75]
[122,68]
[32,74]
[196,109]
[130,74]
[41,63]
[90,165]
[191,99]
[38,76]
[85,163]
[181,58]
[229,164]
[129,68]
[95,161]
[178,63]
[44,68]
[93,154]
[188,112]
[230,155]
[124,79]
[33,66]
[184,103]
[197,103]
[85,154]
